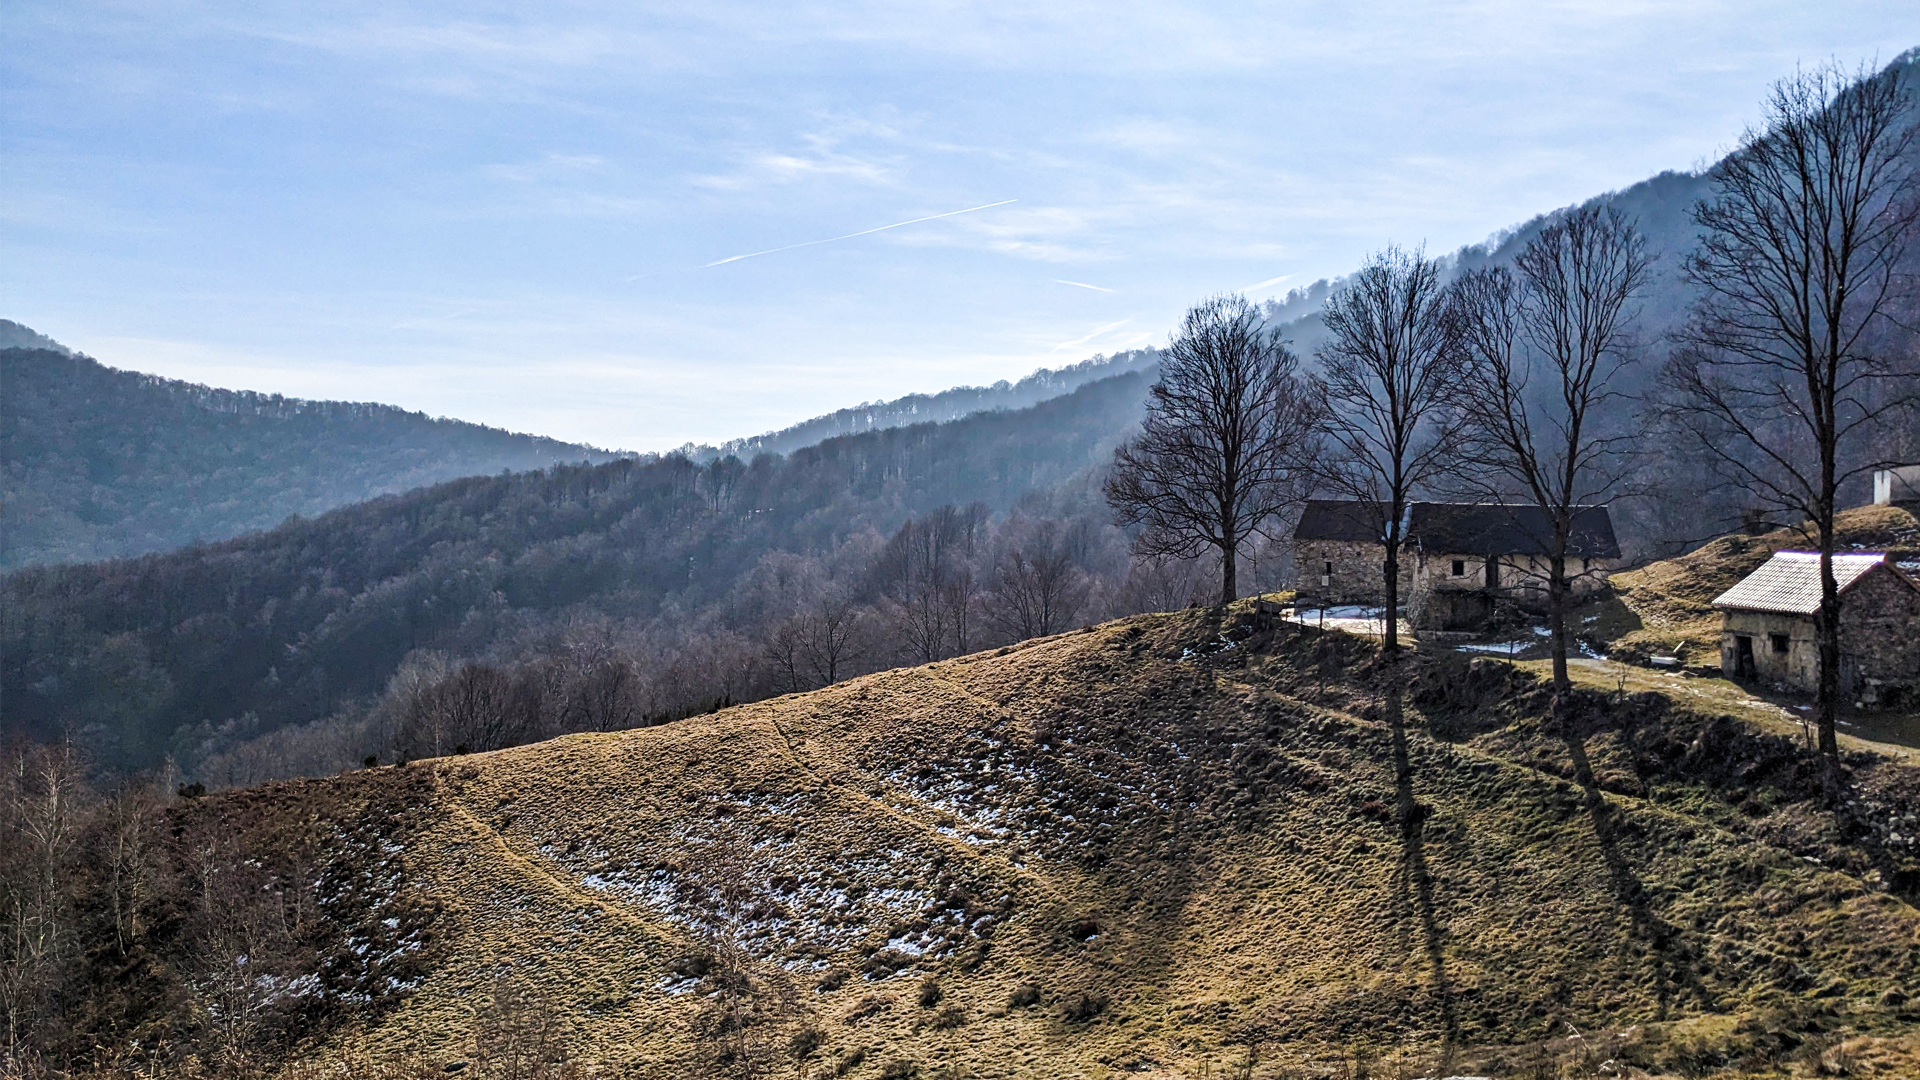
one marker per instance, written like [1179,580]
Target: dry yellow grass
[1189,840]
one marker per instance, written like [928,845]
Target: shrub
[853,1060]
[1024,995]
[1083,1007]
[949,1018]
[806,1042]
[930,993]
[693,965]
[869,1005]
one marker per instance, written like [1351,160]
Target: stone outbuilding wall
[1879,644]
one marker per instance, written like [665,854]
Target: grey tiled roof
[1464,528]
[1330,519]
[1789,582]
[1485,529]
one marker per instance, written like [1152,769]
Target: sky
[636,224]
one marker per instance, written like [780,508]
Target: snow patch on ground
[1497,648]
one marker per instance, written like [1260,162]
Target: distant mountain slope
[933,408]
[1173,846]
[1660,206]
[15,336]
[99,462]
[286,626]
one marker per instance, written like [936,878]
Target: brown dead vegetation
[1175,845]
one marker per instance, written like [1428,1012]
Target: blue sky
[508,212]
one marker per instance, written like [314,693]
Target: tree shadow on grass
[1672,960]
[1412,818]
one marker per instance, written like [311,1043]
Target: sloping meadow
[1154,844]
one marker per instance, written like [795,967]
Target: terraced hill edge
[1160,843]
[1667,606]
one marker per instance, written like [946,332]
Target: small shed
[1767,632]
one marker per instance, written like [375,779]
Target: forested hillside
[631,589]
[99,462]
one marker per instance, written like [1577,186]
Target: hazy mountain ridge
[950,404]
[15,336]
[100,462]
[223,480]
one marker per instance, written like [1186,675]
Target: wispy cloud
[1079,341]
[1264,284]
[862,232]
[1082,285]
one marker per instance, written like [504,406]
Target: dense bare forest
[497,610]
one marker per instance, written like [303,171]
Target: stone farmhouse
[1458,561]
[1767,627]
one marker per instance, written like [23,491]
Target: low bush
[1083,1007]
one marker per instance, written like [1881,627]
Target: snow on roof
[1790,582]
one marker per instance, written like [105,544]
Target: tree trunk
[1557,620]
[1826,632]
[1826,622]
[1229,583]
[1392,639]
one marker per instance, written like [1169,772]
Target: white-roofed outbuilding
[1767,626]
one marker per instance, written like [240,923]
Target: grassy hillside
[1174,846]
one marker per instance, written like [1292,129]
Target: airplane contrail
[862,232]
[1095,334]
[1082,285]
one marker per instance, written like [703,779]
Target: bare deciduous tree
[749,1004]
[1798,269]
[518,1034]
[1387,388]
[1163,583]
[1221,450]
[926,575]
[39,816]
[1541,350]
[1038,588]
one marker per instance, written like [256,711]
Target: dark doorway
[1493,571]
[1743,657]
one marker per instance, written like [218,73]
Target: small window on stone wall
[1779,642]
[1329,570]
[1459,568]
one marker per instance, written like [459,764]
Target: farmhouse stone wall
[1347,572]
[1523,578]
[1880,640]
